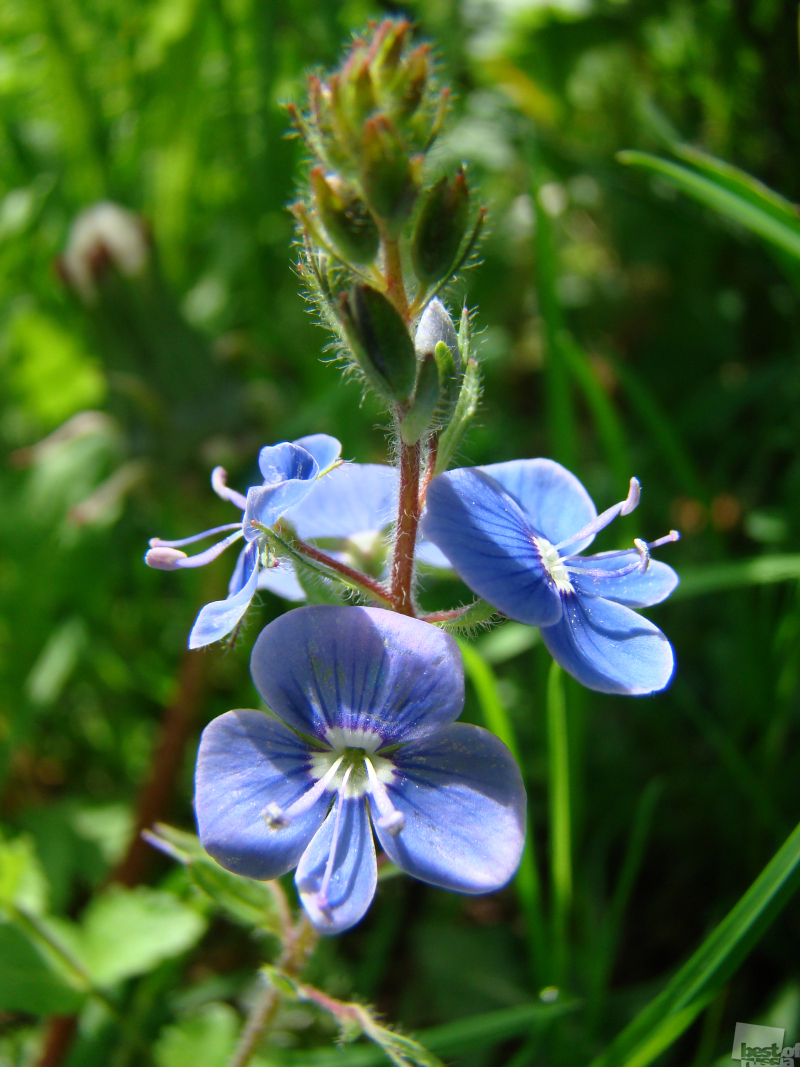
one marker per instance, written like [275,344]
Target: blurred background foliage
[683,344]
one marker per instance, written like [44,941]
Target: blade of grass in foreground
[560,819]
[496,719]
[720,577]
[696,984]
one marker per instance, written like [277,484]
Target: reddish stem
[378,591]
[408,511]
[430,469]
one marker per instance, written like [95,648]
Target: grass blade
[696,984]
[722,577]
[527,882]
[560,819]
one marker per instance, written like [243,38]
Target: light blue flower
[290,471]
[364,703]
[513,531]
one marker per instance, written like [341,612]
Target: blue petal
[217,619]
[267,503]
[354,498]
[635,590]
[489,541]
[325,450]
[355,668]
[554,500]
[285,462]
[354,874]
[609,647]
[464,804]
[281,581]
[427,553]
[247,761]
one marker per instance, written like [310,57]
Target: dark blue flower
[364,703]
[513,532]
[290,471]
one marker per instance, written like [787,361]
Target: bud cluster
[380,239]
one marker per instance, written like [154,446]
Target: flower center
[554,565]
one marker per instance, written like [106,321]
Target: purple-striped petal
[216,620]
[286,462]
[358,669]
[489,541]
[325,450]
[267,503]
[555,502]
[635,590]
[355,498]
[608,647]
[247,761]
[337,889]
[462,796]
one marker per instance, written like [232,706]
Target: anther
[219,480]
[643,549]
[322,895]
[391,820]
[625,507]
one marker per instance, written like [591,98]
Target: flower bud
[435,326]
[448,378]
[346,218]
[388,176]
[419,416]
[390,40]
[440,228]
[380,343]
[413,81]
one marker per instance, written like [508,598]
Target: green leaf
[126,932]
[245,900]
[748,211]
[667,1016]
[560,817]
[204,1040]
[721,577]
[22,880]
[29,982]
[507,641]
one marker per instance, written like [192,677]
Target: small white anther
[392,823]
[644,553]
[163,559]
[276,818]
[632,501]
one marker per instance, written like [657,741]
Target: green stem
[560,819]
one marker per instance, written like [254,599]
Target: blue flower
[513,532]
[364,703]
[290,471]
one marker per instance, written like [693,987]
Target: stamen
[275,815]
[179,559]
[391,820]
[625,507]
[157,542]
[673,535]
[641,564]
[219,479]
[322,895]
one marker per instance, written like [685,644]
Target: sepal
[417,420]
[440,228]
[389,177]
[380,343]
[346,218]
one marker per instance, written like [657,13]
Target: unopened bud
[390,40]
[388,175]
[435,326]
[448,378]
[440,228]
[419,416]
[380,343]
[346,218]
[414,81]
[164,559]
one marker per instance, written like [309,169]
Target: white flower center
[554,565]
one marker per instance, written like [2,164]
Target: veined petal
[217,619]
[286,462]
[462,796]
[267,503]
[635,590]
[247,761]
[338,902]
[361,669]
[354,498]
[489,541]
[281,581]
[608,647]
[325,450]
[555,502]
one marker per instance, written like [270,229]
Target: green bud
[346,218]
[380,343]
[413,81]
[388,176]
[419,416]
[448,378]
[440,228]
[435,325]
[390,40]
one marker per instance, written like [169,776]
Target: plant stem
[374,587]
[430,469]
[395,286]
[408,511]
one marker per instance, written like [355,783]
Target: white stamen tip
[392,823]
[219,480]
[632,500]
[163,559]
[644,553]
[276,817]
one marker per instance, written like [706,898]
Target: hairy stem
[408,511]
[374,587]
[430,469]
